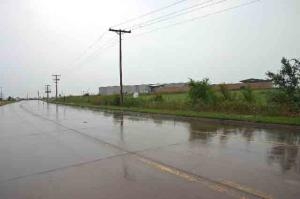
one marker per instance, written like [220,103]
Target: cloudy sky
[224,40]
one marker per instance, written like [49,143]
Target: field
[180,104]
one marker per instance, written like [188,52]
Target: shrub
[110,100]
[225,92]
[201,91]
[297,103]
[240,107]
[133,102]
[10,98]
[157,97]
[282,98]
[248,94]
[278,96]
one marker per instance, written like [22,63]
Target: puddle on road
[257,157]
[280,146]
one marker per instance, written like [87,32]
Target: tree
[288,78]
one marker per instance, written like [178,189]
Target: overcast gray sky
[39,38]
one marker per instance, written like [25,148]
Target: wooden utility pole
[1,95]
[47,91]
[56,79]
[120,32]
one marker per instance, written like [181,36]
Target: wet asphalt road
[60,152]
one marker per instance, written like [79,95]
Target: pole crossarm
[120,31]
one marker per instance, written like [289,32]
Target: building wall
[110,90]
[129,89]
[237,86]
[183,87]
[175,88]
[171,88]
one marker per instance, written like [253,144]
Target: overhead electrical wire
[171,13]
[177,14]
[132,19]
[148,13]
[197,18]
[86,51]
[80,57]
[125,22]
[110,43]
[159,19]
[98,52]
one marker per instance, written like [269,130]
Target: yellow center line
[246,189]
[233,189]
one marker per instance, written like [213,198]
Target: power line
[110,43]
[98,40]
[78,59]
[149,13]
[174,14]
[163,18]
[90,46]
[132,19]
[125,22]
[101,50]
[171,13]
[197,18]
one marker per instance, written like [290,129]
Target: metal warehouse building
[129,89]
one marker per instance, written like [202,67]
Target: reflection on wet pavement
[43,144]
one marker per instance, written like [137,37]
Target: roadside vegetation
[4,102]
[7,101]
[278,105]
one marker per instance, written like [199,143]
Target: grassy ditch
[179,104]
[5,102]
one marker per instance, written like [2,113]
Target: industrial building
[181,87]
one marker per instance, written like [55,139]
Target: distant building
[252,83]
[181,87]
[170,88]
[127,89]
[144,88]
[253,80]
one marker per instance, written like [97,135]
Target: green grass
[4,102]
[178,104]
[210,115]
[174,97]
[260,95]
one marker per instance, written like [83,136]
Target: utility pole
[1,95]
[56,79]
[120,32]
[47,91]
[38,95]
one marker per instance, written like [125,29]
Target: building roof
[253,80]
